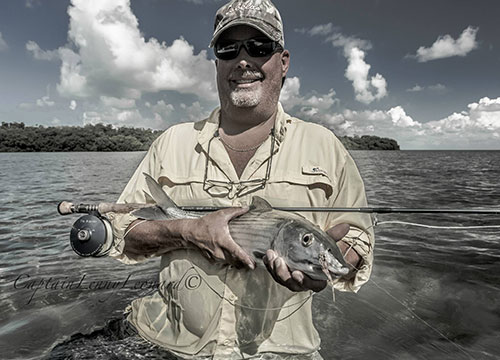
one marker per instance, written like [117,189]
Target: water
[434,294]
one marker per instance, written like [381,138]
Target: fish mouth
[331,266]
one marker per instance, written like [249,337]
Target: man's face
[250,81]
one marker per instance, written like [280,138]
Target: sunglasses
[256,47]
[230,189]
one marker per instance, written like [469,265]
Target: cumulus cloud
[108,56]
[162,109]
[399,118]
[195,111]
[290,97]
[445,46]
[367,89]
[72,105]
[482,115]
[3,43]
[40,54]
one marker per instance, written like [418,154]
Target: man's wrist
[350,255]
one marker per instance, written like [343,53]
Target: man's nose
[243,59]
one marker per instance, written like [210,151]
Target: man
[214,301]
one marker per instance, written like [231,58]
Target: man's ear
[285,62]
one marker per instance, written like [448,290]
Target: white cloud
[483,116]
[163,110]
[119,103]
[367,89]
[436,88]
[108,56]
[323,29]
[290,97]
[348,43]
[40,54]
[72,105]
[3,43]
[445,46]
[120,117]
[45,101]
[399,118]
[195,112]
[416,88]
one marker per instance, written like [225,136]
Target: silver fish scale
[254,231]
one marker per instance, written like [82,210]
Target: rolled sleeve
[351,193]
[134,192]
[361,242]
[119,224]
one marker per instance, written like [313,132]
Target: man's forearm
[156,237]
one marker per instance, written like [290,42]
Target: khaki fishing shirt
[207,308]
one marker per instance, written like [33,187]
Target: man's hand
[297,280]
[211,234]
[337,233]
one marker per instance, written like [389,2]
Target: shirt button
[233,298]
[227,342]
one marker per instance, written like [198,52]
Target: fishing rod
[367,210]
[92,235]
[65,208]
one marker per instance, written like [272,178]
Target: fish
[303,245]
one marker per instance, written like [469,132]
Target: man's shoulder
[175,132]
[312,131]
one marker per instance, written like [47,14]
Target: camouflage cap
[260,14]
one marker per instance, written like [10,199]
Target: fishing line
[301,302]
[419,318]
[377,223]
[415,315]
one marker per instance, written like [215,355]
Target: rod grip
[65,208]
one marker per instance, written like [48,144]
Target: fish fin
[259,203]
[150,213]
[159,196]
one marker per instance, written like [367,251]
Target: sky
[425,73]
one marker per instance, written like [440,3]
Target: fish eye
[307,239]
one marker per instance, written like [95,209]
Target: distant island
[17,137]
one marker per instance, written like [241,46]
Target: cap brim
[264,28]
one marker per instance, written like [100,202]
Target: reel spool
[91,236]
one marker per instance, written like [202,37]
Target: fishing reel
[91,235]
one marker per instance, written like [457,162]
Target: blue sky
[422,72]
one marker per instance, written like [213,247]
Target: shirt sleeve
[351,193]
[134,192]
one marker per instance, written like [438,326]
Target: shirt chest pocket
[186,188]
[312,185]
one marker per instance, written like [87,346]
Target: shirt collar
[212,125]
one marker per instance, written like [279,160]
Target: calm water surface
[434,294]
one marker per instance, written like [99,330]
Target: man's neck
[248,121]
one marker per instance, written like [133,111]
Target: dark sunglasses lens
[259,48]
[226,50]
